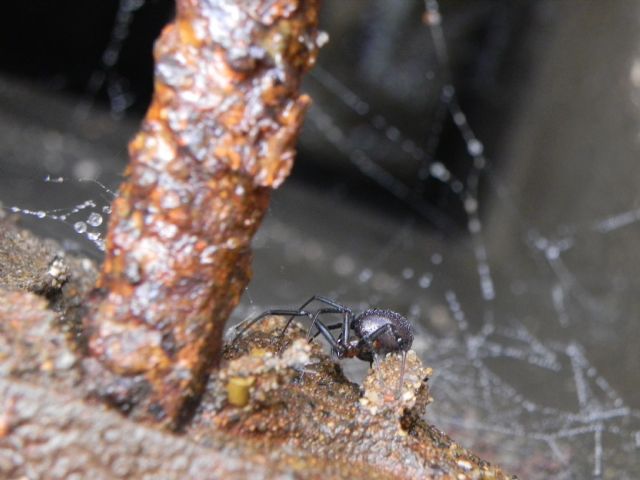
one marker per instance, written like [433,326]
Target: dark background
[381,47]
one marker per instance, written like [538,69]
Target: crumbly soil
[279,407]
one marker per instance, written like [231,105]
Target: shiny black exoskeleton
[378,332]
[372,333]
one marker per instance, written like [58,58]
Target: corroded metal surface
[301,418]
[45,434]
[28,263]
[300,401]
[31,347]
[217,138]
[49,429]
[52,435]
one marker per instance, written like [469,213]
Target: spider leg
[250,323]
[368,340]
[321,311]
[346,327]
[325,330]
[371,337]
[336,347]
[314,323]
[333,326]
[326,301]
[316,298]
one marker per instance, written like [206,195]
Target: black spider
[366,336]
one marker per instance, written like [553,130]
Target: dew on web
[80,227]
[502,375]
[85,219]
[94,219]
[425,280]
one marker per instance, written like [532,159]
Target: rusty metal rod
[218,137]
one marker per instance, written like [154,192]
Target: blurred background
[471,164]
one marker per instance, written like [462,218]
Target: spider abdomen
[385,331]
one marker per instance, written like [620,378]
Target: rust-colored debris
[292,414]
[299,401]
[31,348]
[35,265]
[218,136]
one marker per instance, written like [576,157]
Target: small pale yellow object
[238,390]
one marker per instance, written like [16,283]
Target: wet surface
[295,413]
[218,136]
[542,379]
[299,399]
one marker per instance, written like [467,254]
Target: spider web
[514,379]
[524,325]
